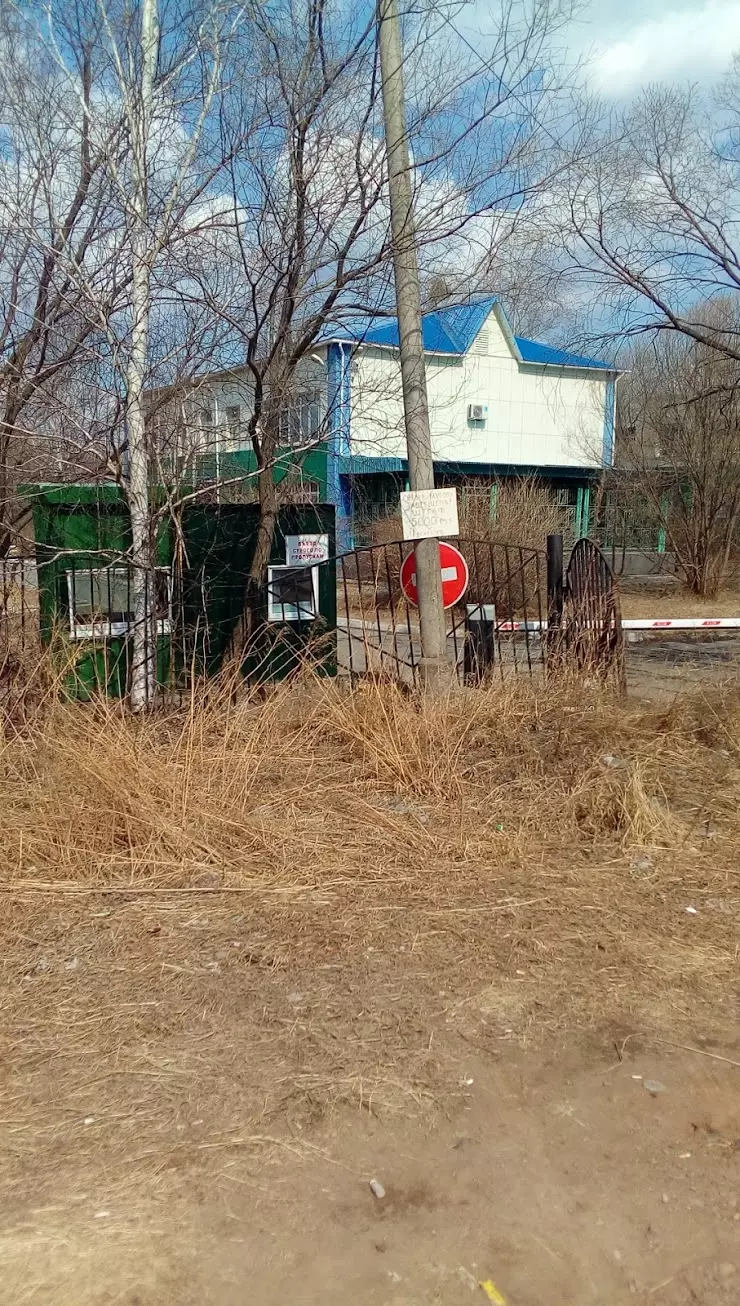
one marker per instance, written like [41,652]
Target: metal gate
[520,614]
[496,628]
[592,637]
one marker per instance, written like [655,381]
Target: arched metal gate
[592,636]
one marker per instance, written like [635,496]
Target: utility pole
[408,302]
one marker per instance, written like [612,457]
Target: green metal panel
[240,466]
[79,527]
[220,542]
[83,527]
[665,507]
[493,503]
[586,511]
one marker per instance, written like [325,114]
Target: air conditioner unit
[476,412]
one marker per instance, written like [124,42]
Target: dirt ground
[661,666]
[485,955]
[588,1169]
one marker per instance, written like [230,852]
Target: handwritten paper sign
[429,512]
[305,550]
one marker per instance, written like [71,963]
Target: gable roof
[445,330]
[452,330]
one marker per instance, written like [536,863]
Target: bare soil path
[210,1138]
[558,1177]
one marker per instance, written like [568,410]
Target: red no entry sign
[455,576]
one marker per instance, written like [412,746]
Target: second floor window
[300,419]
[205,420]
[235,428]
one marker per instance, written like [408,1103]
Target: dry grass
[243,912]
[526,513]
[672,600]
[500,552]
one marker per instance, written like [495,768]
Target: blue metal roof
[446,330]
[533,352]
[452,331]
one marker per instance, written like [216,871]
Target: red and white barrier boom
[646,623]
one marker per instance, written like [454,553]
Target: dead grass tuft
[525,513]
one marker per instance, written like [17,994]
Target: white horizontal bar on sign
[522,625]
[487,612]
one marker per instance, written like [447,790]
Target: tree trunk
[256,579]
[143,664]
[144,658]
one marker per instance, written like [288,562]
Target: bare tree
[163,86]
[306,242]
[649,215]
[680,438]
[60,236]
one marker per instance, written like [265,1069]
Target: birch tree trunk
[144,658]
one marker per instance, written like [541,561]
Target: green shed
[298,612]
[83,536]
[83,533]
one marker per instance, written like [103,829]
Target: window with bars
[300,492]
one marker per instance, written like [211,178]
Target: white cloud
[692,43]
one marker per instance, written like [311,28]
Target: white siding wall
[534,417]
[217,395]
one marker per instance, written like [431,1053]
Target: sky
[630,42]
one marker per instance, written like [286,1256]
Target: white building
[500,406]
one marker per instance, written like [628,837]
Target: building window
[234,436]
[292,593]
[300,420]
[206,424]
[101,601]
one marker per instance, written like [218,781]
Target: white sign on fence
[429,512]
[305,550]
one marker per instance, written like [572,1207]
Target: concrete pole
[408,301]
